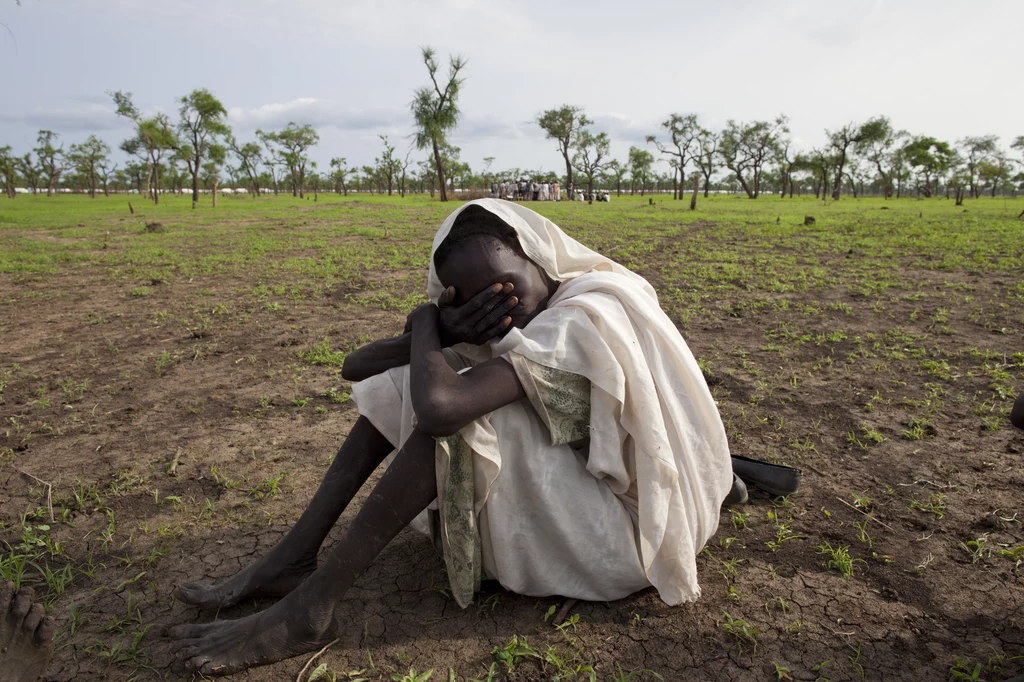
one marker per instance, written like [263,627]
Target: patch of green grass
[322,354]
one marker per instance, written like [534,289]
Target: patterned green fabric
[566,400]
[562,401]
[460,537]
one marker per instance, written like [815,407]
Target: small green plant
[838,558]
[139,292]
[742,631]
[268,488]
[781,671]
[976,548]
[412,676]
[1016,555]
[515,652]
[918,429]
[963,669]
[936,504]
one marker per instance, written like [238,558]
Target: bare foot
[26,635]
[223,647]
[272,575]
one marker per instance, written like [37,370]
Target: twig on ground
[298,678]
[864,513]
[172,468]
[49,491]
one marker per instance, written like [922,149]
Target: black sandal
[775,479]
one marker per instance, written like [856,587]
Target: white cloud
[318,113]
[85,118]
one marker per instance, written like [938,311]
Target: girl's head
[481,250]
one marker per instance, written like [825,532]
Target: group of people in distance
[526,190]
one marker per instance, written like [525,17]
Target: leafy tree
[589,158]
[994,172]
[683,132]
[640,163]
[201,124]
[977,151]
[614,172]
[104,170]
[341,170]
[250,158]
[388,166]
[707,152]
[30,172]
[86,158]
[564,125]
[153,137]
[51,158]
[290,147]
[8,171]
[929,158]
[881,146]
[840,141]
[436,111]
[747,147]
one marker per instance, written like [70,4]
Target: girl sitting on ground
[605,480]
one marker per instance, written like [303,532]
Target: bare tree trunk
[215,181]
[440,172]
[696,188]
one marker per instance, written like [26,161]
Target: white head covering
[654,423]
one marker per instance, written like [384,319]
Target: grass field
[170,397]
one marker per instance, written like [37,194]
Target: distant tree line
[197,152]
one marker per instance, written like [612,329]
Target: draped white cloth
[552,521]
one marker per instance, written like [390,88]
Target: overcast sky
[935,67]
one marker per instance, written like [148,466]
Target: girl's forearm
[377,357]
[433,382]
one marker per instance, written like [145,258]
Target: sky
[936,67]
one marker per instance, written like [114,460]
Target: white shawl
[652,415]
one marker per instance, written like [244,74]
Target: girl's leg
[283,568]
[304,620]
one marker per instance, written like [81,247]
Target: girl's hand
[480,319]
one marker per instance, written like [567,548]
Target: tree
[929,158]
[615,171]
[590,151]
[683,132]
[786,164]
[201,124]
[86,158]
[840,141]
[564,125]
[52,159]
[746,147]
[30,172]
[8,171]
[881,146]
[640,163]
[104,170]
[153,137]
[340,170]
[707,151]
[436,111]
[291,147]
[977,151]
[250,158]
[993,172]
[389,167]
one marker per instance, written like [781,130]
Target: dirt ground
[175,454]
